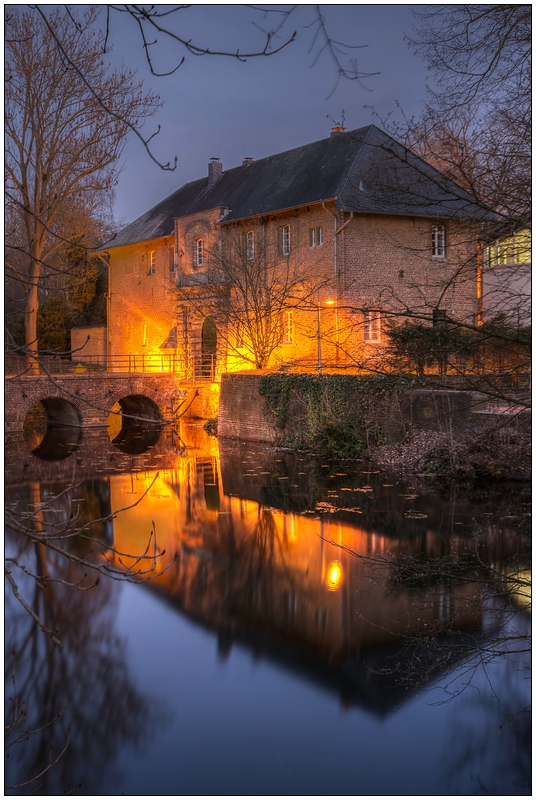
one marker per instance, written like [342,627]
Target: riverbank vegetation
[378,417]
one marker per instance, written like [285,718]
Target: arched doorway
[208,349]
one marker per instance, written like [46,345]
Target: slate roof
[363,170]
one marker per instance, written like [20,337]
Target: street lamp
[328,302]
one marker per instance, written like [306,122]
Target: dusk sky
[217,106]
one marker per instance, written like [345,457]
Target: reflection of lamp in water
[334,575]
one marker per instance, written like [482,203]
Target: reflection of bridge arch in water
[52,428]
[133,423]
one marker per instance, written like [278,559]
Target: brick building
[301,259]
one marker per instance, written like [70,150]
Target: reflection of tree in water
[86,681]
[492,741]
[246,574]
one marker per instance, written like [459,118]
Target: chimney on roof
[214,171]
[336,130]
[247,160]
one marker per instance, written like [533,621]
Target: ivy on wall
[339,416]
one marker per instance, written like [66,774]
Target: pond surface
[294,627]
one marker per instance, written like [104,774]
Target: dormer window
[152,262]
[439,241]
[198,253]
[286,240]
[250,245]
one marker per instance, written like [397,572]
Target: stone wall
[142,301]
[243,413]
[89,344]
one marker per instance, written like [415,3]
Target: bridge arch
[92,395]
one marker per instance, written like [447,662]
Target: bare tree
[154,25]
[70,541]
[252,290]
[62,145]
[475,130]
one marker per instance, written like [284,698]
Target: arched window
[198,253]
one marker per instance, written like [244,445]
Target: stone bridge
[87,399]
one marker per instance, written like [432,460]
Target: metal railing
[197,369]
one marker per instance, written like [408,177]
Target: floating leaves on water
[374,472]
[387,484]
[341,474]
[326,507]
[408,496]
[416,515]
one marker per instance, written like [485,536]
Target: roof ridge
[292,149]
[341,188]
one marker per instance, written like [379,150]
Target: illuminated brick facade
[351,263]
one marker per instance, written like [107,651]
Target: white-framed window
[171,257]
[250,245]
[439,241]
[287,327]
[152,262]
[316,237]
[198,253]
[372,325]
[286,240]
[144,340]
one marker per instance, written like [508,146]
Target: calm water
[291,640]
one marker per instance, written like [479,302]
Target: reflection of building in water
[309,590]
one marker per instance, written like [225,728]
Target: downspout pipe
[336,232]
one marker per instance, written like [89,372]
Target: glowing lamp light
[329,301]
[334,576]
